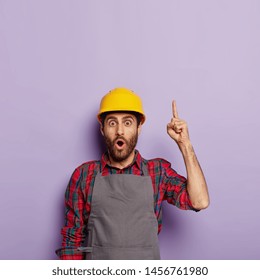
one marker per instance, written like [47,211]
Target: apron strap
[144,169]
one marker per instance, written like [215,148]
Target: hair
[136,114]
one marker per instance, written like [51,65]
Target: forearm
[196,183]
[73,237]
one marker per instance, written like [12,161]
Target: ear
[101,129]
[139,128]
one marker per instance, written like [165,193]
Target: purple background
[58,58]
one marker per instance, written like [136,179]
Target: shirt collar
[137,160]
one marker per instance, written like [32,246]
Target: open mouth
[120,144]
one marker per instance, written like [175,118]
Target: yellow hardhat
[121,99]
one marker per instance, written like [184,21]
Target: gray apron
[122,224]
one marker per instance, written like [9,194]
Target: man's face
[120,132]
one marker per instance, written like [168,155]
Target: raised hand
[177,128]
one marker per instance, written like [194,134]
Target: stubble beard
[121,155]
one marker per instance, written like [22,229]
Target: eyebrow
[126,117]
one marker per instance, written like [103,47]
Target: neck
[123,163]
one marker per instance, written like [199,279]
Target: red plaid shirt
[167,184]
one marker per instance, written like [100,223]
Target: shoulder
[160,166]
[157,162]
[157,165]
[81,175]
[86,168]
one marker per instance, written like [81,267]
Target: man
[115,203]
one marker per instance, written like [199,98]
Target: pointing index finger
[174,110]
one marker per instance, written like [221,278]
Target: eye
[112,123]
[128,122]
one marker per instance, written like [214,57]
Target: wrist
[185,144]
[186,148]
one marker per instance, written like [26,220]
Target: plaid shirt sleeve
[175,188]
[74,231]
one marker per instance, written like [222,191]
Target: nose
[120,129]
